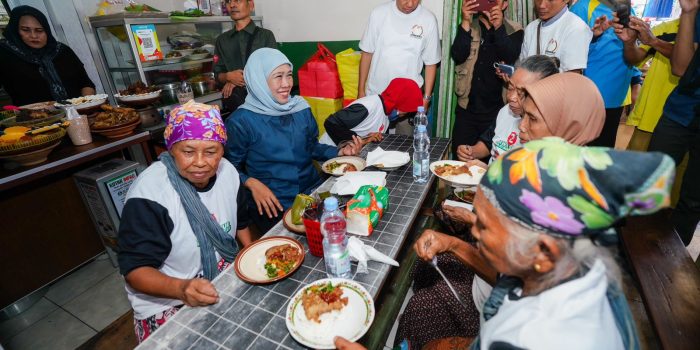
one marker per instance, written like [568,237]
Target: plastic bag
[349,71]
[365,209]
[318,77]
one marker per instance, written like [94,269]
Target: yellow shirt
[658,84]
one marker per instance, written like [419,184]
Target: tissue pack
[365,209]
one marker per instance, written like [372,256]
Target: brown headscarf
[570,105]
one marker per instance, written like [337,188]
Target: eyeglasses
[237,2]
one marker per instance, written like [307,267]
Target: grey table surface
[253,316]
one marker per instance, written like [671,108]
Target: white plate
[250,262]
[351,323]
[85,101]
[358,162]
[458,190]
[394,161]
[170,60]
[461,180]
[139,97]
[198,56]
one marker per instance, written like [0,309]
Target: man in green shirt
[233,48]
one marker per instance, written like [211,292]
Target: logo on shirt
[417,32]
[552,47]
[512,138]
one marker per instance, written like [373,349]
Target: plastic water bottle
[335,241]
[421,118]
[421,154]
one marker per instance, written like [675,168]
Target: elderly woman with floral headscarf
[541,209]
[274,139]
[36,67]
[181,220]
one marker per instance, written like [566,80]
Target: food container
[168,94]
[211,81]
[79,130]
[199,86]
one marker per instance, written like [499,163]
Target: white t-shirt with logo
[567,39]
[401,45]
[506,136]
[184,260]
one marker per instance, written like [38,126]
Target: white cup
[79,130]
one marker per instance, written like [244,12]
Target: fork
[434,263]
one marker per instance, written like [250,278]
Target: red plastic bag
[319,77]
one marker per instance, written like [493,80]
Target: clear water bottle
[421,154]
[421,118]
[335,241]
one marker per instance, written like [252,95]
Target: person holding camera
[233,48]
[482,38]
[606,65]
[678,130]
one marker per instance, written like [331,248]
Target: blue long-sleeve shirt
[278,151]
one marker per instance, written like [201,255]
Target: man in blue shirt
[678,130]
[606,65]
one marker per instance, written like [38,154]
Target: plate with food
[341,165]
[457,173]
[327,308]
[173,57]
[34,117]
[40,105]
[139,94]
[269,259]
[466,194]
[84,102]
[198,54]
[291,226]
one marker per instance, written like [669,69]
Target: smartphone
[506,69]
[485,5]
[623,14]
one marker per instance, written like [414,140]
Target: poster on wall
[147,43]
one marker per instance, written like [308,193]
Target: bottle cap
[330,203]
[421,109]
[421,128]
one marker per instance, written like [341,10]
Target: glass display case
[186,46]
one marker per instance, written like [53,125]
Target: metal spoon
[434,263]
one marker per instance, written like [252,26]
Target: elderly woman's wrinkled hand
[432,243]
[460,214]
[344,344]
[264,198]
[352,148]
[199,292]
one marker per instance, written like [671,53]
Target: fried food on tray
[32,114]
[451,170]
[318,300]
[14,134]
[340,167]
[113,116]
[280,260]
[137,89]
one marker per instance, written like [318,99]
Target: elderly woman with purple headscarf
[181,221]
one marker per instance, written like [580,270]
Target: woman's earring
[537,267]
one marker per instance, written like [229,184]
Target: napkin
[387,159]
[361,253]
[349,183]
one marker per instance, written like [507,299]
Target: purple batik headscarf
[194,121]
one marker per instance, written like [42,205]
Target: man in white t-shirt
[558,33]
[400,39]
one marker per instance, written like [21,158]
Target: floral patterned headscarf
[565,190]
[194,121]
